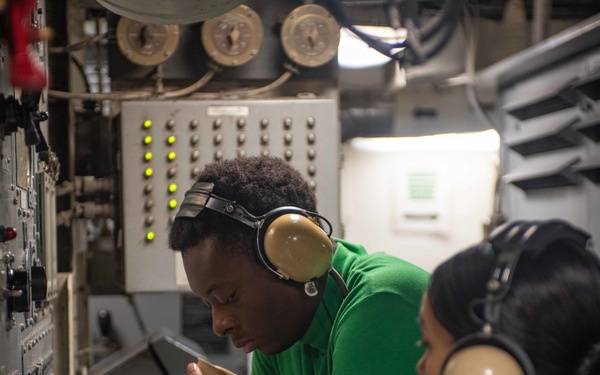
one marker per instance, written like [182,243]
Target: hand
[193,369]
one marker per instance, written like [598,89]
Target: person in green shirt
[257,253]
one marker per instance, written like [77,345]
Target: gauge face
[170,12]
[310,36]
[233,38]
[146,43]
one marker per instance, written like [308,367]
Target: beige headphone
[289,240]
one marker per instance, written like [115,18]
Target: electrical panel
[28,173]
[164,145]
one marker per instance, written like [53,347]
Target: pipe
[541,20]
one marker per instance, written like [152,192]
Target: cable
[79,45]
[251,92]
[416,36]
[133,95]
[450,11]
[191,89]
[443,41]
[139,95]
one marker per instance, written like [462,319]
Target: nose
[222,323]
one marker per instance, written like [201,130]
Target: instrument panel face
[146,43]
[27,250]
[310,36]
[233,38]
[164,145]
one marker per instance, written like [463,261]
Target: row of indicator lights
[148,140]
[170,156]
[218,139]
[241,123]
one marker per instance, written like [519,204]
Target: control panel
[164,146]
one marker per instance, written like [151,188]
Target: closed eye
[230,300]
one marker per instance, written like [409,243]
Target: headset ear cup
[297,247]
[487,355]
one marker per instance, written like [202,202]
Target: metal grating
[590,128]
[552,176]
[563,99]
[550,138]
[590,170]
[589,87]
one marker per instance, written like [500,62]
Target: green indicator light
[150,236]
[148,172]
[172,189]
[171,155]
[147,140]
[147,124]
[171,139]
[172,203]
[148,156]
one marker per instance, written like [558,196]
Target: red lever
[7,233]
[24,72]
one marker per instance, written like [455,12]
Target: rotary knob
[233,38]
[146,43]
[310,36]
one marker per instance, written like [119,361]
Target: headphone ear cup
[297,247]
[487,355]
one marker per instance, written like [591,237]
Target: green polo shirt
[373,330]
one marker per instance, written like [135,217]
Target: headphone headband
[509,242]
[201,196]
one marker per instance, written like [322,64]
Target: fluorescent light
[488,140]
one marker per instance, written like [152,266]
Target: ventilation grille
[531,178]
[590,170]
[590,128]
[547,139]
[589,87]
[565,98]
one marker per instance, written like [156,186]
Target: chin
[274,349]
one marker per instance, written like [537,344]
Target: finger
[193,369]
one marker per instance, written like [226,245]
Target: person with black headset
[525,301]
[257,253]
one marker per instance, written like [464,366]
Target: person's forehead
[209,266]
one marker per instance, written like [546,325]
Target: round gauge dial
[310,36]
[146,43]
[233,38]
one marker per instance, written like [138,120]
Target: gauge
[169,11]
[310,36]
[233,38]
[146,43]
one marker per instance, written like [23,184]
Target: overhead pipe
[541,20]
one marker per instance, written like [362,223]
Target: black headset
[289,240]
[488,351]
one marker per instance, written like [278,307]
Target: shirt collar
[319,331]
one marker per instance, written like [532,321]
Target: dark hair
[552,310]
[260,184]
